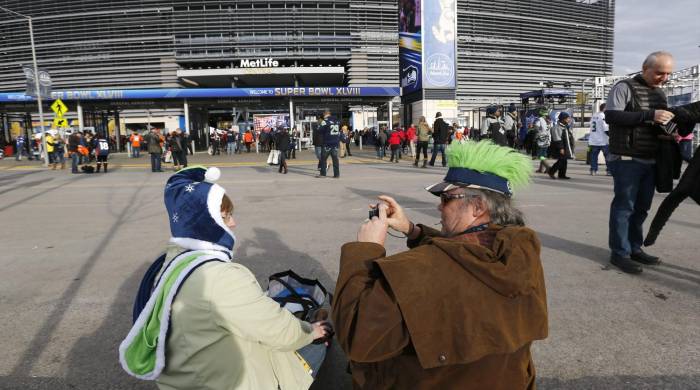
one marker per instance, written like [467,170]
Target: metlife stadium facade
[195,64]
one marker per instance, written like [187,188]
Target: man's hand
[374,230]
[396,218]
[562,152]
[663,116]
[322,331]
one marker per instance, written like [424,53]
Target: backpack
[299,295]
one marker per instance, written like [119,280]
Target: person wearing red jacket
[395,140]
[411,137]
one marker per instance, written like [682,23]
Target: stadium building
[218,63]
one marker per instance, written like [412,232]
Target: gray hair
[652,58]
[499,206]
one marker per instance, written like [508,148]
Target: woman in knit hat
[201,320]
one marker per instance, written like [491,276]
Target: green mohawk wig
[484,165]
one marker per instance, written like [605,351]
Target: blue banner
[136,94]
[439,34]
[410,46]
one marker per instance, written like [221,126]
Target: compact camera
[374,212]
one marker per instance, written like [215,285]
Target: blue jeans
[595,151]
[441,149]
[314,355]
[136,151]
[333,152]
[75,160]
[230,148]
[634,191]
[319,153]
[155,162]
[380,151]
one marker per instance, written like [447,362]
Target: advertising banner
[439,44]
[410,46]
[267,122]
[166,93]
[44,81]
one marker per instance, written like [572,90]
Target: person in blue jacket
[330,129]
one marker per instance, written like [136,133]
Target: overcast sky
[643,26]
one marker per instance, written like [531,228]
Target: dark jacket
[441,131]
[457,313]
[330,128]
[175,143]
[153,141]
[282,141]
[317,137]
[689,185]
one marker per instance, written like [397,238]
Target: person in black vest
[441,132]
[635,110]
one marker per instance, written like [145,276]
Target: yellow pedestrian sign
[59,108]
[60,123]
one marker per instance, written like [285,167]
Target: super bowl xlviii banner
[439,43]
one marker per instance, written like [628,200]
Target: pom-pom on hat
[193,200]
[484,165]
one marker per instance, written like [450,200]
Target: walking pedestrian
[282,144]
[19,147]
[330,128]
[155,148]
[493,127]
[423,136]
[441,132]
[411,138]
[74,141]
[135,139]
[542,139]
[317,141]
[230,142]
[561,146]
[598,140]
[395,145]
[101,147]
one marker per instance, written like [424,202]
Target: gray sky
[644,26]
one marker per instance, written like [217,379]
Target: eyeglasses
[445,198]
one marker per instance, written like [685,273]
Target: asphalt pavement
[74,248]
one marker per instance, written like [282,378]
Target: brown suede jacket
[450,313]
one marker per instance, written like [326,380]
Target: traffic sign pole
[38,94]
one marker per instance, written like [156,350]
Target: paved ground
[75,246]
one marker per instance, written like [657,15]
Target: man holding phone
[462,306]
[635,110]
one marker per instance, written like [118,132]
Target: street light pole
[37,84]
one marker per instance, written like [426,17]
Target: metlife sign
[260,63]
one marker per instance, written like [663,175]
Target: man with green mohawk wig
[460,308]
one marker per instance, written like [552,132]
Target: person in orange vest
[248,140]
[135,141]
